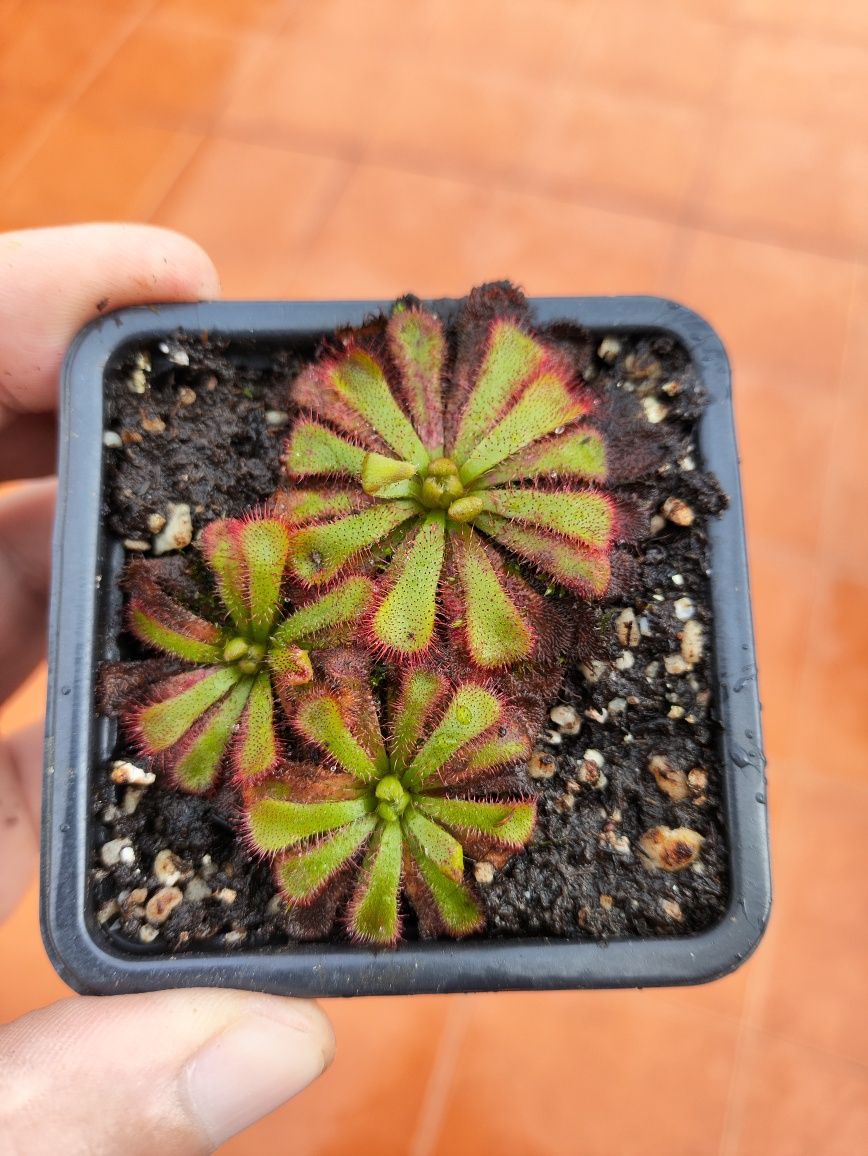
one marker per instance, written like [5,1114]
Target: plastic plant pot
[84,623]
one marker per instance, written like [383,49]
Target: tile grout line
[86,78]
[431,1112]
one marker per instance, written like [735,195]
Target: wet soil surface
[196,423]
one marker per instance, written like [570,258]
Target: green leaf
[161,622]
[586,571]
[303,874]
[264,544]
[496,632]
[510,824]
[379,473]
[583,515]
[344,604]
[276,823]
[315,451]
[511,357]
[405,619]
[317,553]
[578,453]
[418,347]
[546,404]
[256,749]
[221,550]
[421,691]
[455,904]
[320,719]
[197,767]
[428,840]
[472,710]
[360,381]
[374,909]
[298,507]
[497,752]
[162,723]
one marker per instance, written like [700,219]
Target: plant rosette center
[447,467]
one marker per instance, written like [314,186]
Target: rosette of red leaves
[393,810]
[222,707]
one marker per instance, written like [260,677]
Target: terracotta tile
[782,434]
[800,77]
[391,232]
[660,49]
[234,15]
[47,46]
[171,73]
[595,1072]
[846,537]
[818,936]
[20,116]
[322,86]
[578,140]
[792,179]
[801,1103]
[511,38]
[379,26]
[85,169]
[778,310]
[845,19]
[252,207]
[369,1100]
[783,589]
[833,728]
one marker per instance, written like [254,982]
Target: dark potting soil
[193,422]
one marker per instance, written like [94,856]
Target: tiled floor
[711,150]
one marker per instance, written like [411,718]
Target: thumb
[176,1072]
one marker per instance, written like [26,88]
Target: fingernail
[252,1068]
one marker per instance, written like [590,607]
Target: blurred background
[714,151]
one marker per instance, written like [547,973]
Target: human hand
[175,1072]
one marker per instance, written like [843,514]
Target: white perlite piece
[692,641]
[608,349]
[669,848]
[162,903]
[110,852]
[566,719]
[684,608]
[671,908]
[156,522]
[483,872]
[627,628]
[197,890]
[178,530]
[677,511]
[167,869]
[625,660]
[675,664]
[125,772]
[276,418]
[591,770]
[655,411]
[670,780]
[112,440]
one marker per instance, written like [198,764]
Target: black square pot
[85,613]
